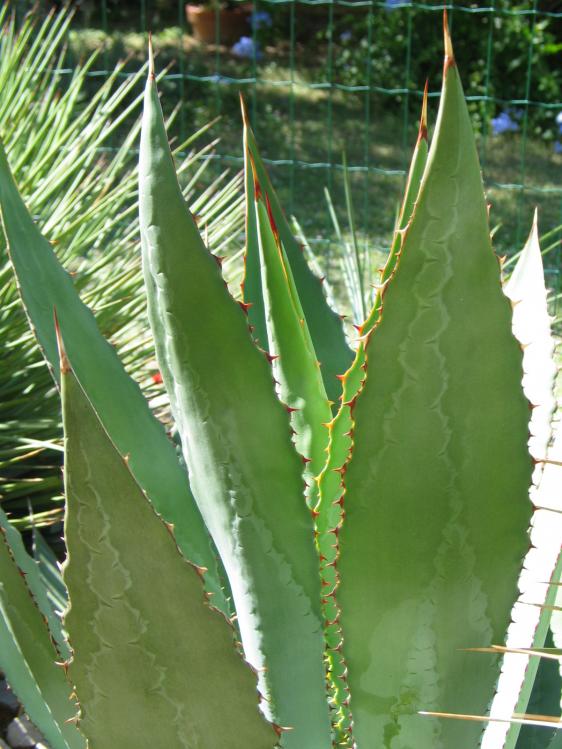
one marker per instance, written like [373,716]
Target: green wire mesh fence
[321,77]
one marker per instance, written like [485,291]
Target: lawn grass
[306,129]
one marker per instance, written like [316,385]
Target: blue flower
[559,121]
[345,36]
[245,47]
[557,147]
[391,4]
[260,19]
[503,124]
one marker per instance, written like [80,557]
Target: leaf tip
[245,118]
[422,133]
[151,75]
[449,54]
[64,363]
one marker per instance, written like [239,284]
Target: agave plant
[370,506]
[58,135]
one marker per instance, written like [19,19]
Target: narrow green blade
[435,523]
[545,700]
[28,656]
[244,471]
[45,286]
[324,324]
[295,366]
[50,572]
[153,664]
[35,582]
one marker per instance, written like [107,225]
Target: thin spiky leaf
[28,656]
[324,324]
[295,366]
[44,286]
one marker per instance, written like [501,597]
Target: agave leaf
[153,663]
[330,480]
[44,285]
[34,581]
[295,366]
[434,533]
[28,656]
[531,326]
[543,563]
[545,700]
[49,571]
[324,324]
[244,471]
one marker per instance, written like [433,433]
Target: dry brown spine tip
[151,74]
[449,54]
[64,363]
[422,132]
[245,306]
[244,110]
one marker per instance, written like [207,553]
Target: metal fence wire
[321,77]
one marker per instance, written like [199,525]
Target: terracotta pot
[234,23]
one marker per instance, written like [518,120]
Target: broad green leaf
[331,487]
[35,583]
[324,324]
[154,665]
[28,656]
[295,366]
[244,471]
[45,286]
[436,503]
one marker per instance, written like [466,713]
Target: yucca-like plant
[370,507]
[58,134]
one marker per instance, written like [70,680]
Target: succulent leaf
[28,655]
[436,506]
[543,563]
[532,327]
[244,471]
[331,485]
[324,324]
[34,581]
[153,663]
[295,366]
[50,574]
[44,285]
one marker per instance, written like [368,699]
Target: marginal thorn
[64,363]
[245,306]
